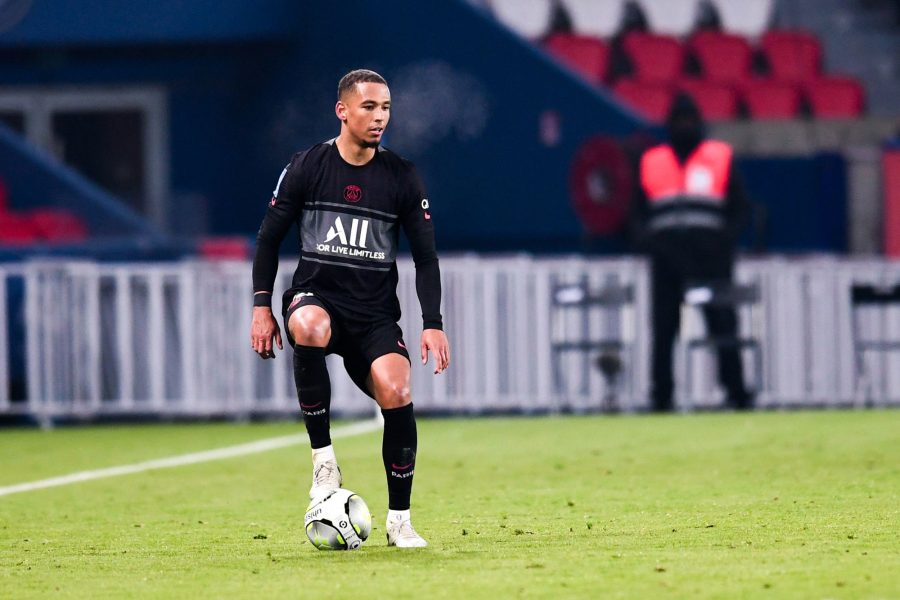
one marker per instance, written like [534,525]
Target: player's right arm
[284,209]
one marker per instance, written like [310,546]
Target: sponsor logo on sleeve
[278,185]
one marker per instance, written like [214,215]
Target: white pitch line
[187,459]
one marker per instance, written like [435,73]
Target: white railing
[173,338]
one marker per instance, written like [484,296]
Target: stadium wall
[494,124]
[39,180]
[118,22]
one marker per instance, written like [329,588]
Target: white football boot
[326,473]
[400,532]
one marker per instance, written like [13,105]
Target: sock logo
[402,475]
[307,412]
[402,465]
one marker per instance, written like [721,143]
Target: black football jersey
[349,219]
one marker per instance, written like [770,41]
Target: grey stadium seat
[671,17]
[599,19]
[749,18]
[528,18]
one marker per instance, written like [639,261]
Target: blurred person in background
[350,197]
[687,214]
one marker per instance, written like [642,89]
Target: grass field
[800,505]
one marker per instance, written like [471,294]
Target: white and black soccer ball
[339,521]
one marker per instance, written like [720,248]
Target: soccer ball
[339,521]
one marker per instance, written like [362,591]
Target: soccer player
[350,197]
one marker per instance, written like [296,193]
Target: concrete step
[866,56]
[883,98]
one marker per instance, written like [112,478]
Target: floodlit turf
[800,505]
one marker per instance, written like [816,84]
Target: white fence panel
[173,338]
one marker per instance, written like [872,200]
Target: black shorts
[359,342]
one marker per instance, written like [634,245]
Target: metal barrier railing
[172,338]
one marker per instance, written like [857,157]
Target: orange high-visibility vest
[702,178]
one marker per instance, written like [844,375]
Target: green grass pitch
[767,505]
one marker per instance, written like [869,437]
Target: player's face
[366,112]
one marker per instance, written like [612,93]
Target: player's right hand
[262,330]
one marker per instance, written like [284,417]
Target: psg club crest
[352,193]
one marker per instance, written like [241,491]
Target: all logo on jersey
[349,238]
[352,193]
[357,226]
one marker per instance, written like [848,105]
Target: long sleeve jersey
[349,220]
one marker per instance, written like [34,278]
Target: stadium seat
[17,230]
[670,17]
[748,18]
[651,99]
[835,97]
[225,248]
[587,55]
[528,18]
[769,99]
[656,58]
[599,19]
[792,55]
[57,225]
[722,57]
[716,101]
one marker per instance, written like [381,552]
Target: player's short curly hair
[349,81]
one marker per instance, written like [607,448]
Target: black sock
[314,392]
[398,451]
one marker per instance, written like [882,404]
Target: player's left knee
[395,394]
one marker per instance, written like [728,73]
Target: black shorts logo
[298,298]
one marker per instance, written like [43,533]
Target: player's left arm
[419,227]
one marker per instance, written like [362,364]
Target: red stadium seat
[17,230]
[58,225]
[835,97]
[656,58]
[585,54]
[769,99]
[651,99]
[792,55]
[716,101]
[225,248]
[722,56]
